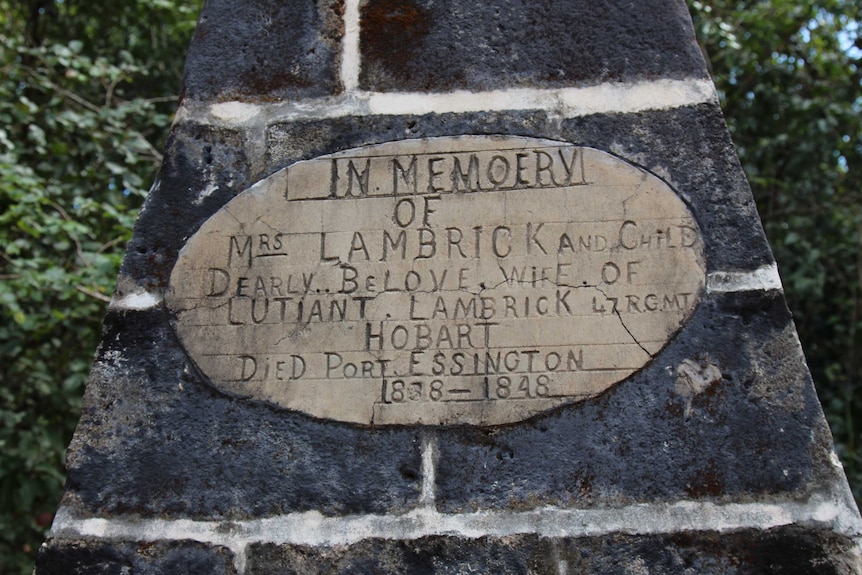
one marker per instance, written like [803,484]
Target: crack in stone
[236,219]
[301,327]
[374,405]
[261,220]
[616,312]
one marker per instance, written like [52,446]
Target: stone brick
[264,50]
[439,46]
[63,557]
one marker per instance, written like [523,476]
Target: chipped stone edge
[825,510]
[765,278]
[608,98]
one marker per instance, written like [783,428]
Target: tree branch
[93,294]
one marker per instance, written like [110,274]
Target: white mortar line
[762,279]
[429,470]
[826,511]
[350,47]
[135,301]
[239,559]
[606,98]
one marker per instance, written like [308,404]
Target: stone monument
[437,286]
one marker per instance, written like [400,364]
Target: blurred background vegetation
[788,74]
[86,97]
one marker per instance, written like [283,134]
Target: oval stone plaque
[472,279]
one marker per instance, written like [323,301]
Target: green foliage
[85,102]
[789,75]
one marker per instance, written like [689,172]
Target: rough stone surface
[155,440]
[438,46]
[691,149]
[204,167]
[644,440]
[265,50]
[70,557]
[788,551]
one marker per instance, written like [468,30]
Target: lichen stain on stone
[693,378]
[263,85]
[636,566]
[333,18]
[706,482]
[778,374]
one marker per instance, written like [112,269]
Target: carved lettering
[468,280]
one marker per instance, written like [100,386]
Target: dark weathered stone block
[204,167]
[788,550]
[154,439]
[60,557]
[708,175]
[648,440]
[425,45]
[265,49]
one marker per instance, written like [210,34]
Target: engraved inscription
[476,280]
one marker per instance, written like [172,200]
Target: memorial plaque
[461,280]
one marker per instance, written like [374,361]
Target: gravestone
[450,287]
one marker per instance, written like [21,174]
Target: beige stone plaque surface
[472,279]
